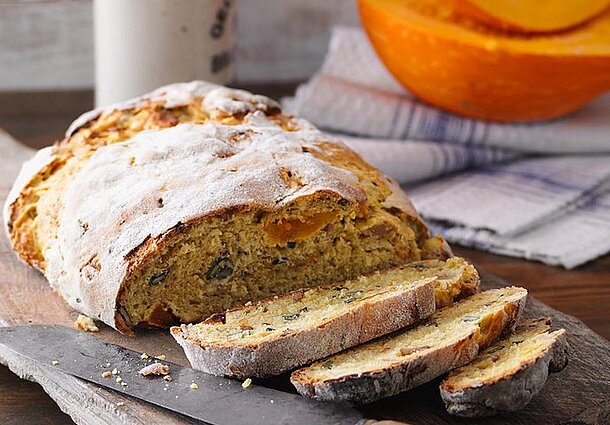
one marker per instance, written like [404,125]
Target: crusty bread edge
[29,171]
[366,321]
[374,385]
[509,393]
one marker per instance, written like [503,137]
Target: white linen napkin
[538,191]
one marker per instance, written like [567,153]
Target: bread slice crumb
[154,369]
[106,374]
[86,323]
[194,386]
[450,338]
[246,383]
[250,341]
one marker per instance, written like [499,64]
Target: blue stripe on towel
[397,110]
[439,129]
[529,176]
[407,131]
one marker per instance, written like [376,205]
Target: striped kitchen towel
[551,209]
[539,191]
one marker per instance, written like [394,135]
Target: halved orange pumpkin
[460,65]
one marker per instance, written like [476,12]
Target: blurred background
[48,46]
[494,121]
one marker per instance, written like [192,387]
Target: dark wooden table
[37,119]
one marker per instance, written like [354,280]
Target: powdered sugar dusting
[216,99]
[236,102]
[147,185]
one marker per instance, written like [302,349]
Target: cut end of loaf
[221,262]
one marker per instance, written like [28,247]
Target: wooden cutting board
[578,395]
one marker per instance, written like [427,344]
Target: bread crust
[508,393]
[285,352]
[379,383]
[37,165]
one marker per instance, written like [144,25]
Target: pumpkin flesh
[456,63]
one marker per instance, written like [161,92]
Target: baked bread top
[95,208]
[32,208]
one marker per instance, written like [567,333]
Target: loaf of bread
[196,198]
[450,338]
[506,376]
[282,333]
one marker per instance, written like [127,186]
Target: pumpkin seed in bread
[450,338]
[279,334]
[506,376]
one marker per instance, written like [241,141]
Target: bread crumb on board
[120,403]
[160,357]
[106,374]
[86,323]
[55,362]
[144,356]
[154,369]
[194,386]
[246,383]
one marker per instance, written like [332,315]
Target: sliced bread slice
[506,376]
[281,333]
[450,338]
